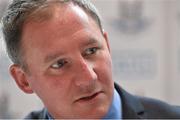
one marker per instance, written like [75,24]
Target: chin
[96,113]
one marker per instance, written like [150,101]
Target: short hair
[19,11]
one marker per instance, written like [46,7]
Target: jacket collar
[131,106]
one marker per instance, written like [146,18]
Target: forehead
[62,16]
[65,14]
[67,21]
[51,9]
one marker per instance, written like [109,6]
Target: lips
[88,97]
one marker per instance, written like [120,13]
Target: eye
[59,64]
[90,51]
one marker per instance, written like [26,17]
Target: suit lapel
[131,106]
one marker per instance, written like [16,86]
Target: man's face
[69,64]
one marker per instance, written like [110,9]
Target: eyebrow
[90,41]
[50,57]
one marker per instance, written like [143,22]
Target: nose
[85,74]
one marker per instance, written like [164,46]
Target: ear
[20,78]
[107,40]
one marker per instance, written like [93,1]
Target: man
[61,52]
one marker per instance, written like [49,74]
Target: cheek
[58,85]
[53,83]
[42,84]
[38,86]
[107,62]
[48,88]
[104,68]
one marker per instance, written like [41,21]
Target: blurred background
[145,45]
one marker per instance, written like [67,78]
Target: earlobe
[20,78]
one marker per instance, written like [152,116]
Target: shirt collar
[115,111]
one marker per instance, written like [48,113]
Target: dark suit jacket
[133,107]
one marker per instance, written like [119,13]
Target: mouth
[88,97]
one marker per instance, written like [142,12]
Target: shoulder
[159,108]
[143,107]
